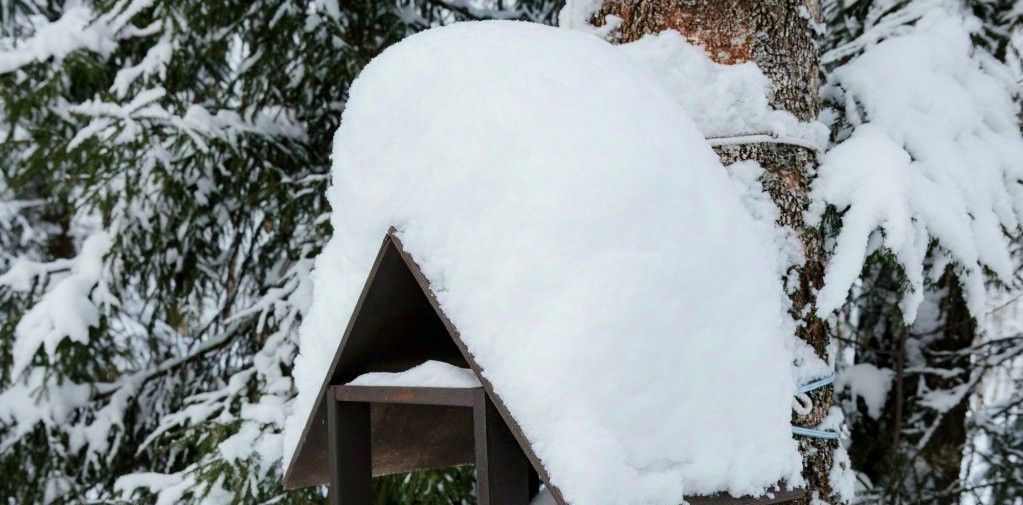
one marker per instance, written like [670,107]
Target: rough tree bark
[777,35]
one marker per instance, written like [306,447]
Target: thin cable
[817,384]
[812,433]
[802,404]
[762,138]
[801,393]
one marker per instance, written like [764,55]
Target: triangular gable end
[397,324]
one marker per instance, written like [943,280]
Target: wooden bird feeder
[358,432]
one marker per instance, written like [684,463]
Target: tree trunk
[913,453]
[778,37]
[944,452]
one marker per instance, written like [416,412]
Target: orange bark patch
[723,45]
[717,27]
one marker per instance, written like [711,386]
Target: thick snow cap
[586,242]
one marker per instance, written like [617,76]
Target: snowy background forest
[163,168]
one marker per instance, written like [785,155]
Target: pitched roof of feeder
[587,245]
[395,306]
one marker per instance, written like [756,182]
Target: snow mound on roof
[587,243]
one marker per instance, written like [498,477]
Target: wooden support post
[534,483]
[502,470]
[348,444]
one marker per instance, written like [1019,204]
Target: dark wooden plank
[534,483]
[348,442]
[781,495]
[409,437]
[502,469]
[457,397]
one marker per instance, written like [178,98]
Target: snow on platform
[431,374]
[586,242]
